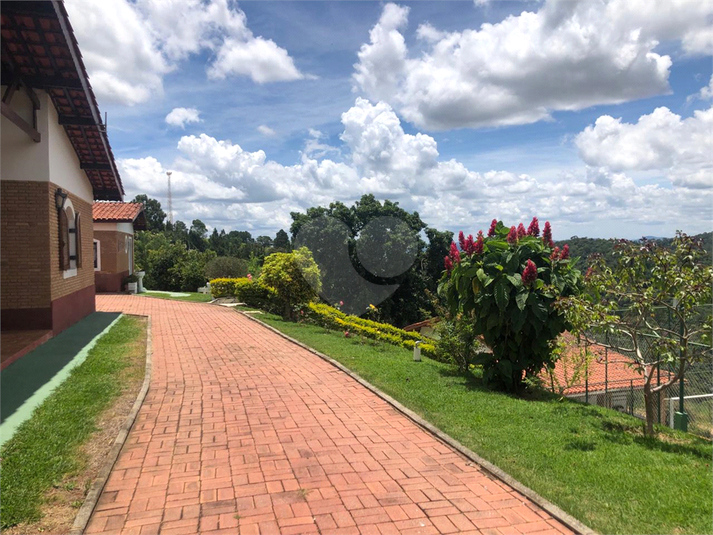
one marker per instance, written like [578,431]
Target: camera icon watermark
[361,269]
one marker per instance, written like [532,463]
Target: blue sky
[546,113]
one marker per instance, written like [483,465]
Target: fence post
[631,394]
[606,375]
[681,418]
[658,383]
[586,373]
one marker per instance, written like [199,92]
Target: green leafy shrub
[173,267]
[506,284]
[295,278]
[458,342]
[227,267]
[256,294]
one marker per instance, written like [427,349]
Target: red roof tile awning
[40,51]
[120,212]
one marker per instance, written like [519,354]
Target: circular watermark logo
[358,270]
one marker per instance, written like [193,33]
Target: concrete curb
[90,502]
[557,513]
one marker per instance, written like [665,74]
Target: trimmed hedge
[332,318]
[223,287]
[251,292]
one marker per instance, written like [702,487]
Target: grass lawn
[592,462]
[53,449]
[193,297]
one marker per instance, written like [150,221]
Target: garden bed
[593,462]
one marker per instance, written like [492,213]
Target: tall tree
[197,235]
[439,245]
[369,253]
[282,241]
[155,216]
[265,241]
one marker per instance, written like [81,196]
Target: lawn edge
[90,502]
[557,513]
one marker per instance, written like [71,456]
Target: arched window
[78,236]
[70,240]
[63,240]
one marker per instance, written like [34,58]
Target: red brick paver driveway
[244,432]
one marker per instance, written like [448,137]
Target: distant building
[426,328]
[114,226]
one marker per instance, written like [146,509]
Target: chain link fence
[611,379]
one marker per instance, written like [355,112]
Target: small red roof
[118,212]
[611,368]
[430,322]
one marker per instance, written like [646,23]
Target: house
[56,161]
[114,226]
[606,377]
[426,328]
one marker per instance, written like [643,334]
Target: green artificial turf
[591,461]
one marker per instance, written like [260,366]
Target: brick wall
[25,249]
[60,286]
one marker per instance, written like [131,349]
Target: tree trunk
[649,404]
[287,312]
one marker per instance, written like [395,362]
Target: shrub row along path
[244,432]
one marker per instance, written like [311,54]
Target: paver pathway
[244,432]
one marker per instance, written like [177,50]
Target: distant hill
[584,247]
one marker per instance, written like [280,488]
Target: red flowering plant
[505,283]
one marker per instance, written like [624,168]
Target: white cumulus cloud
[180,117]
[226,186]
[662,140]
[128,46]
[568,55]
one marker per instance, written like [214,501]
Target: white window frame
[98,267]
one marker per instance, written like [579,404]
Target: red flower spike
[478,246]
[565,253]
[491,231]
[512,235]
[529,274]
[469,245]
[448,263]
[461,240]
[547,235]
[534,228]
[455,254]
[555,254]
[521,232]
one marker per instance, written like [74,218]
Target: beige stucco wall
[53,159]
[64,166]
[23,159]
